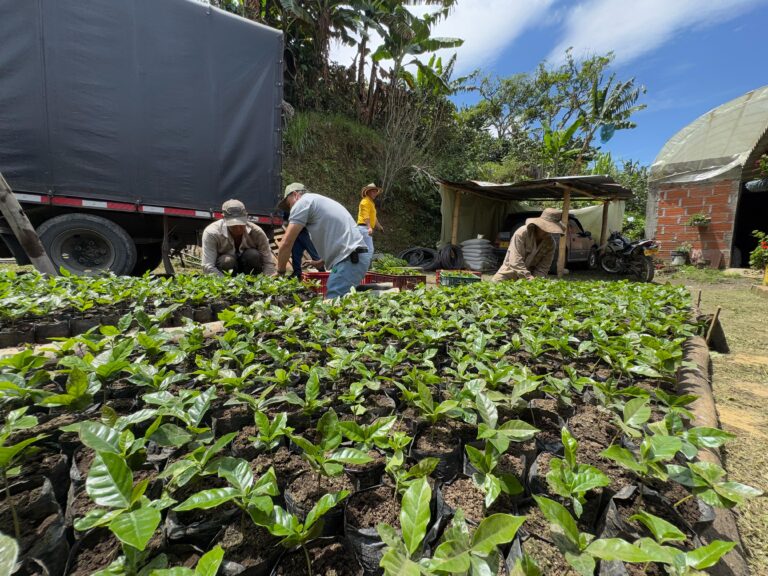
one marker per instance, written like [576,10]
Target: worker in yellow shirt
[366,214]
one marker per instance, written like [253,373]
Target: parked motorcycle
[619,255]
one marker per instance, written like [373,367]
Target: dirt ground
[741,393]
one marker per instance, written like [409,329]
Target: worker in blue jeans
[303,244]
[333,231]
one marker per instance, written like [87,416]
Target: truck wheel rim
[82,251]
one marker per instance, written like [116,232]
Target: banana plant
[569,479]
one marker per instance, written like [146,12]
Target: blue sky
[691,55]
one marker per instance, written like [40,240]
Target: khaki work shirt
[525,257]
[217,241]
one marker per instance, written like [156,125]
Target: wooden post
[604,226]
[564,237]
[23,230]
[455,224]
[712,324]
[166,248]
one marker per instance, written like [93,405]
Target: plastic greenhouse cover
[716,143]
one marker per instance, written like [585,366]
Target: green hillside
[336,156]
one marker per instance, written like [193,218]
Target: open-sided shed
[470,208]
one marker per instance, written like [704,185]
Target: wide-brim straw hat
[549,221]
[368,187]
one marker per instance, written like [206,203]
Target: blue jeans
[345,275]
[367,237]
[303,242]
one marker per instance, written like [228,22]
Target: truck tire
[148,257]
[86,244]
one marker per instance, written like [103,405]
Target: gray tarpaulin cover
[166,102]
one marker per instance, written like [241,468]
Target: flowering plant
[758,258]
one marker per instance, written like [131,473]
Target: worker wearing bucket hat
[235,244]
[366,214]
[532,248]
[333,232]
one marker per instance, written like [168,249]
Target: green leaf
[423,467]
[617,549]
[495,530]
[703,437]
[351,456]
[8,453]
[99,437]
[709,555]
[414,514]
[588,478]
[171,435]
[450,557]
[736,492]
[518,430]
[323,505]
[636,412]
[557,514]
[662,530]
[486,408]
[395,563]
[110,481]
[209,563]
[9,552]
[206,499]
[137,527]
[664,447]
[237,472]
[623,457]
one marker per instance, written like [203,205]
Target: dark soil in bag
[465,494]
[307,489]
[95,551]
[364,511]
[550,425]
[249,550]
[287,465]
[197,527]
[367,475]
[329,557]
[537,542]
[228,419]
[593,424]
[439,442]
[43,533]
[46,332]
[19,334]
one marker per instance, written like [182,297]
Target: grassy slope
[336,156]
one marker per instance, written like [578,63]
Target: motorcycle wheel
[643,269]
[610,263]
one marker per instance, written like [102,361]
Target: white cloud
[631,28]
[486,26]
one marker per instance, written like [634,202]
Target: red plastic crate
[474,272]
[401,282]
[321,277]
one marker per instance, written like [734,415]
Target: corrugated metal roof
[581,187]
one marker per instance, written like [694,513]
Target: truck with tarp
[126,123]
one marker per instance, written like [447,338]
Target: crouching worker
[234,244]
[532,248]
[333,232]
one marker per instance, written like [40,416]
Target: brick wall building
[702,170]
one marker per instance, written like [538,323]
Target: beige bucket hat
[290,189]
[364,190]
[549,221]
